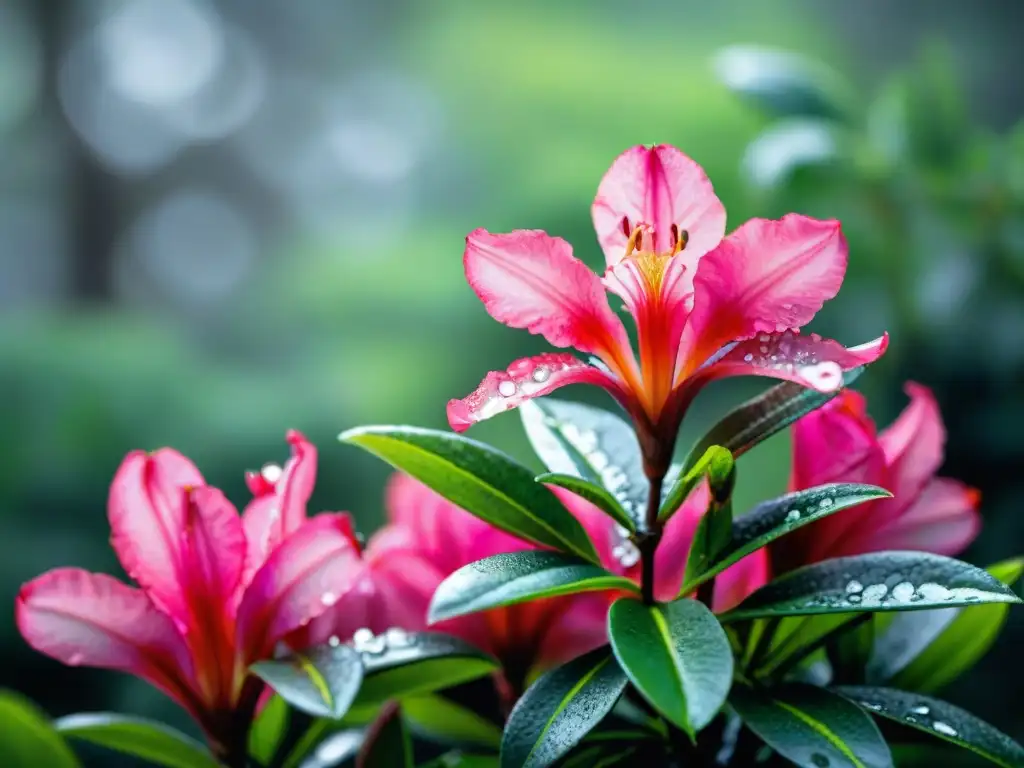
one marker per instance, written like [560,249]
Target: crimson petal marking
[526,378]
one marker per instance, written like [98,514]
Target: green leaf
[481,480]
[445,721]
[940,719]
[268,730]
[777,517]
[812,727]
[152,741]
[715,462]
[400,664]
[560,709]
[782,83]
[677,655]
[926,651]
[761,417]
[597,495]
[516,577]
[334,750]
[321,681]
[590,443]
[791,146]
[387,743]
[849,650]
[880,581]
[27,738]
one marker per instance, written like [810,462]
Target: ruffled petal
[302,578]
[93,620]
[147,512]
[766,277]
[525,379]
[660,187]
[810,360]
[281,494]
[528,279]
[736,583]
[943,519]
[914,444]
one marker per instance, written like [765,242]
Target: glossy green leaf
[940,719]
[711,539]
[516,577]
[761,417]
[783,83]
[268,730]
[387,743]
[716,462]
[400,664]
[335,750]
[445,721]
[560,709]
[925,651]
[775,518]
[591,443]
[27,738]
[812,727]
[676,654]
[597,495]
[481,480]
[155,742]
[880,581]
[321,681]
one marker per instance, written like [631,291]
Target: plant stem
[649,544]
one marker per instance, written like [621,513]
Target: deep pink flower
[838,443]
[704,306]
[218,591]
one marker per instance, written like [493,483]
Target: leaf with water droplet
[677,655]
[560,709]
[480,479]
[925,651]
[940,719]
[940,582]
[592,444]
[422,663]
[772,519]
[517,577]
[597,495]
[812,727]
[321,681]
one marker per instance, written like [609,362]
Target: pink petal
[302,578]
[280,504]
[943,519]
[914,443]
[660,187]
[147,511]
[528,279]
[525,379]
[579,626]
[88,619]
[810,360]
[766,277]
[359,607]
[736,583]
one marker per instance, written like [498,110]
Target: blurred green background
[222,219]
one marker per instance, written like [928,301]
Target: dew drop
[334,641]
[361,637]
[826,374]
[853,598]
[328,598]
[825,503]
[748,357]
[854,587]
[903,592]
[793,515]
[541,374]
[872,706]
[934,592]
[875,593]
[507,388]
[944,728]
[626,553]
[920,710]
[820,760]
[271,473]
[396,637]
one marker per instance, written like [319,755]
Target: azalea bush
[614,610]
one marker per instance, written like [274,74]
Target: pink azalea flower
[705,305]
[838,443]
[217,591]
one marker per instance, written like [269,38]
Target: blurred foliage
[373,322]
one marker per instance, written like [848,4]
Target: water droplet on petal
[748,357]
[507,388]
[396,637]
[854,587]
[944,728]
[328,598]
[361,637]
[541,374]
[271,473]
[824,375]
[334,641]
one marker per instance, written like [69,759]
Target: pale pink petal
[736,583]
[913,444]
[766,277]
[281,497]
[147,511]
[943,518]
[525,379]
[93,620]
[810,360]
[660,187]
[303,577]
[528,279]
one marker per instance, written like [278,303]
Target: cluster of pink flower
[219,591]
